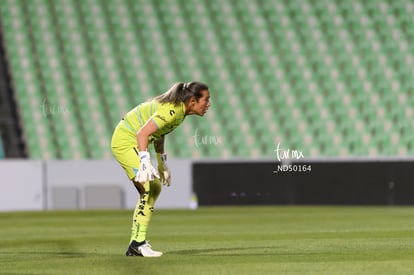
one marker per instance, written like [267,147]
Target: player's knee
[138,186]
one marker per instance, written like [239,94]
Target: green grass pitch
[213,240]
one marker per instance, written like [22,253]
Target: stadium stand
[332,78]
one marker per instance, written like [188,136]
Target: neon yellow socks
[143,210]
[142,215]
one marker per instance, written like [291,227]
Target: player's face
[201,106]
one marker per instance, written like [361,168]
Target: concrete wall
[82,184]
[22,185]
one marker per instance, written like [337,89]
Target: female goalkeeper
[148,123]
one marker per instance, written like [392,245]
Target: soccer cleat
[142,249]
[132,252]
[146,250]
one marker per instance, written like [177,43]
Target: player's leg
[130,161]
[149,193]
[145,208]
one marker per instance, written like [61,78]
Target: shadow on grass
[37,254]
[230,251]
[35,249]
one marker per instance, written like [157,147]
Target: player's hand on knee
[146,171]
[164,171]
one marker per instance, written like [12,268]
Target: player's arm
[144,133]
[164,171]
[146,172]
[159,145]
[159,120]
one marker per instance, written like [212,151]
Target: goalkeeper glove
[165,174]
[146,171]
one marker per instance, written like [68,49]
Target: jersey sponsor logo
[161,117]
[172,112]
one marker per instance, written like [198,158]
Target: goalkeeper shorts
[125,151]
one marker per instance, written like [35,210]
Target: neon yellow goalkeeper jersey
[166,116]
